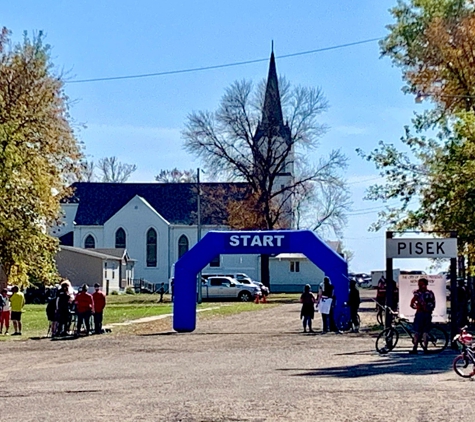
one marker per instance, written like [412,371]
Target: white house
[111,269]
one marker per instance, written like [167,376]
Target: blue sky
[140,120]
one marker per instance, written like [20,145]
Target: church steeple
[272,110]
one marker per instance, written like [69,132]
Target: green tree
[38,153]
[429,181]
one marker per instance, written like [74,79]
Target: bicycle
[388,338]
[345,324]
[464,364]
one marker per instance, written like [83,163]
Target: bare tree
[322,208]
[87,171]
[113,171]
[261,137]
[176,176]
[246,139]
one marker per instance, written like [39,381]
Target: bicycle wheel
[438,340]
[387,340]
[463,366]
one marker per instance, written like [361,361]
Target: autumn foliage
[38,152]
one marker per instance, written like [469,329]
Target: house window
[216,261]
[294,266]
[89,243]
[183,246]
[151,248]
[120,238]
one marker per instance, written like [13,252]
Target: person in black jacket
[307,299]
[354,303]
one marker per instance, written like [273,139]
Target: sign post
[423,248]
[389,284]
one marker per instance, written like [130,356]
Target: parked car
[222,287]
[362,279]
[239,277]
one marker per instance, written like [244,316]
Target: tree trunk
[265,273]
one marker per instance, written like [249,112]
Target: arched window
[120,238]
[151,248]
[89,243]
[183,246]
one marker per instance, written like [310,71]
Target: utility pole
[198,230]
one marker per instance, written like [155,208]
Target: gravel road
[256,366]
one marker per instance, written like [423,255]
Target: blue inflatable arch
[253,242]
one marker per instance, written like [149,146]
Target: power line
[364,180]
[220,66]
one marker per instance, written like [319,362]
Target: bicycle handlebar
[385,307]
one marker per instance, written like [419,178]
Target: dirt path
[255,366]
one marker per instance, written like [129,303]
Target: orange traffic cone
[257,298]
[264,299]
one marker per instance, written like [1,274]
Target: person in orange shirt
[99,304]
[84,308]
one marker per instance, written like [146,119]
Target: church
[156,223]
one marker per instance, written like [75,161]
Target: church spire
[272,110]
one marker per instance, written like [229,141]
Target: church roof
[175,202]
[272,110]
[272,123]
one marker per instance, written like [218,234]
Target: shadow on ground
[402,364]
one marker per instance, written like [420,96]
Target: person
[161,292]
[354,303]
[307,299]
[381,296]
[325,299]
[462,302]
[17,302]
[51,315]
[423,302]
[84,309]
[63,314]
[4,311]
[99,299]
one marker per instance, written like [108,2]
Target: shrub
[129,291]
[114,293]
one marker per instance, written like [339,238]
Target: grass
[124,308]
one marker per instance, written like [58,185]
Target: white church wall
[81,233]
[136,218]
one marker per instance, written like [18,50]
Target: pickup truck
[217,288]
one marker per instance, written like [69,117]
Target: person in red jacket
[99,305]
[84,308]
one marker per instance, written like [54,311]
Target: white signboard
[421,248]
[407,286]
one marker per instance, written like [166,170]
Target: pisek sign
[421,248]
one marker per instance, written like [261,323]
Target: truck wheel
[245,297]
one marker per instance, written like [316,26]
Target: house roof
[175,202]
[290,256]
[89,252]
[117,252]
